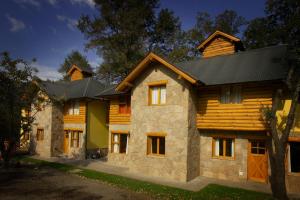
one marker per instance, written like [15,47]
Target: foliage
[125,31]
[17,92]
[75,57]
[211,191]
[280,26]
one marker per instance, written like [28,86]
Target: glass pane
[229,147]
[154,145]
[116,148]
[123,143]
[261,144]
[221,153]
[261,151]
[76,108]
[217,147]
[70,110]
[116,138]
[225,95]
[163,94]
[236,94]
[154,95]
[254,150]
[162,145]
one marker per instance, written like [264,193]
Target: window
[124,105]
[157,95]
[75,138]
[258,147]
[40,134]
[119,143]
[223,147]
[294,157]
[231,94]
[156,145]
[74,108]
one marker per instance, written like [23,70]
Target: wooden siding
[245,116]
[76,75]
[219,46]
[114,116]
[76,119]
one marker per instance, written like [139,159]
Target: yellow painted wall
[282,114]
[97,129]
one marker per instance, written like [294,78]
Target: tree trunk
[277,179]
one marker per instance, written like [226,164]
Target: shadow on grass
[211,191]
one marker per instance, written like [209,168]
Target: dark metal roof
[249,66]
[110,91]
[85,88]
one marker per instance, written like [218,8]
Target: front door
[257,161]
[66,142]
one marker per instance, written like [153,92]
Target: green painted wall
[96,128]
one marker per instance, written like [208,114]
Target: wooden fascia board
[72,68]
[142,65]
[230,37]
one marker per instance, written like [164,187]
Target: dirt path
[28,182]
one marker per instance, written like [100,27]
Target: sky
[46,29]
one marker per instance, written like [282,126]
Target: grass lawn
[211,191]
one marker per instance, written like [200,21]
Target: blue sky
[45,29]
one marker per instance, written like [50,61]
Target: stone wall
[171,119]
[57,130]
[193,145]
[41,121]
[235,169]
[116,158]
[77,153]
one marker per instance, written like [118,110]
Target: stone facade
[173,119]
[57,130]
[77,153]
[116,158]
[235,169]
[51,144]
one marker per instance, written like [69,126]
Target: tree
[124,31]
[280,26]
[17,92]
[75,57]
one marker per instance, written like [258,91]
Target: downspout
[86,127]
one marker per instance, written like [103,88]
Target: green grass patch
[210,192]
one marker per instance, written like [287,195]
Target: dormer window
[231,95]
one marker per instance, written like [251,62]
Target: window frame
[159,84]
[40,134]
[232,95]
[127,103]
[223,157]
[119,133]
[150,137]
[72,139]
[71,106]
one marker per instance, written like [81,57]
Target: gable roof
[215,34]
[151,57]
[88,71]
[248,66]
[84,88]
